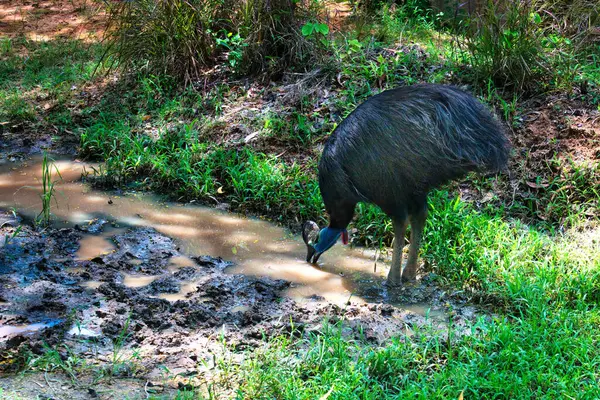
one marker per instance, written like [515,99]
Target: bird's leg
[394,276]
[417,223]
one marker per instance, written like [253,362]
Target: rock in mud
[165,284]
[95,225]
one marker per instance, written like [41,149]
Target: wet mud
[152,297]
[128,287]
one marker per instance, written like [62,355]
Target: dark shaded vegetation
[181,38]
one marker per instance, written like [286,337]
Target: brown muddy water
[256,248]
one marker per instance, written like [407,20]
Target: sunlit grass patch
[41,83]
[519,265]
[50,64]
[15,108]
[544,356]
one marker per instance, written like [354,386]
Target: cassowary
[391,151]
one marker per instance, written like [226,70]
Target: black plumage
[396,147]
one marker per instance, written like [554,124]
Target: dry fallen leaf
[537,185]
[461,395]
[326,395]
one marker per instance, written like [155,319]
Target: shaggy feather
[398,145]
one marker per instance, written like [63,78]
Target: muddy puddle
[171,281]
[255,247]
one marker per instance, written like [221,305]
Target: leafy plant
[315,29]
[162,36]
[505,43]
[564,60]
[275,40]
[48,189]
[234,44]
[177,37]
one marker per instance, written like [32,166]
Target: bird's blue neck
[327,238]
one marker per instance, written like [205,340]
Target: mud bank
[143,307]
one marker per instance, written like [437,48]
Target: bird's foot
[409,274]
[394,281]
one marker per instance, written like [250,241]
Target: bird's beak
[318,241]
[310,252]
[310,232]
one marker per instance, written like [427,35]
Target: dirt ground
[52,19]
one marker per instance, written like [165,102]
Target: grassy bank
[524,245]
[543,356]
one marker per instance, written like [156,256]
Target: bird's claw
[312,255]
[409,274]
[393,281]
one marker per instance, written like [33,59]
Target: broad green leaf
[308,29]
[354,43]
[323,28]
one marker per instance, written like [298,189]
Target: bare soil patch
[52,19]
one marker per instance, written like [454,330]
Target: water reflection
[10,330]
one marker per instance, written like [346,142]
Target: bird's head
[319,241]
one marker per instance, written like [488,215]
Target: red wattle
[345,237]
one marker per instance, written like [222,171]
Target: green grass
[39,87]
[14,107]
[546,355]
[123,362]
[532,358]
[55,359]
[49,65]
[48,194]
